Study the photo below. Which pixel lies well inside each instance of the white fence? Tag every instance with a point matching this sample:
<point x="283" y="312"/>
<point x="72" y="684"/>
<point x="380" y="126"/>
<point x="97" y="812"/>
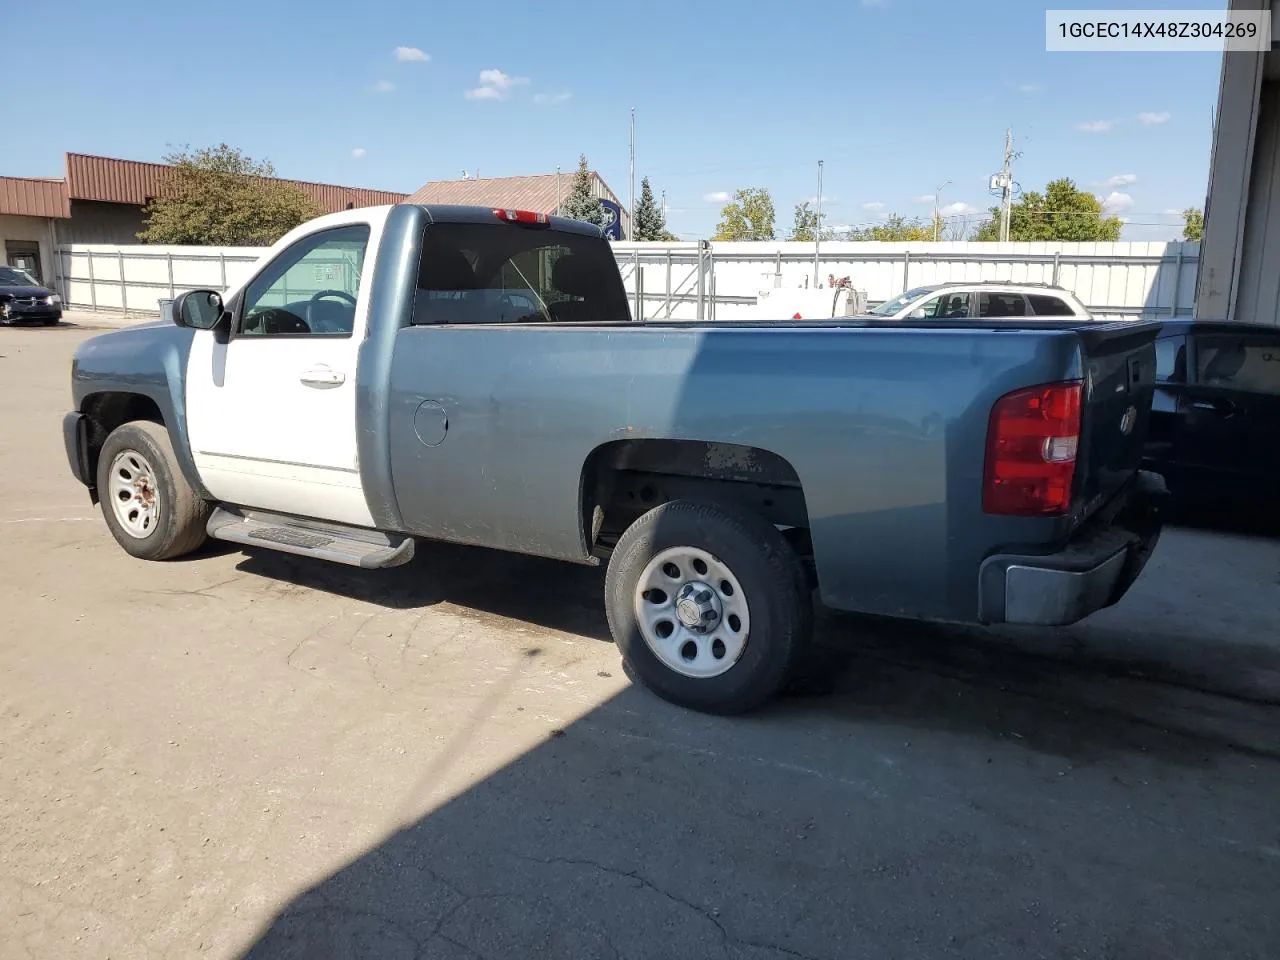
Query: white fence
<point x="720" y="281"/>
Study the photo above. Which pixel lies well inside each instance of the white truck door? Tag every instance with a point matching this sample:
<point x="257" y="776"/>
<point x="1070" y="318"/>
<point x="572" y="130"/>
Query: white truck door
<point x="271" y="414"/>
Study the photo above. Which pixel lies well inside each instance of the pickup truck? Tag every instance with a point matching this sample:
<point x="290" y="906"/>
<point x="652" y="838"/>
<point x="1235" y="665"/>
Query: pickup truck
<point x="474" y="375"/>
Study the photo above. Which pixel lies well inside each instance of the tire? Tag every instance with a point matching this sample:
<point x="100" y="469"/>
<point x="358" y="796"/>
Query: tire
<point x="753" y="578"/>
<point x="159" y="516"/>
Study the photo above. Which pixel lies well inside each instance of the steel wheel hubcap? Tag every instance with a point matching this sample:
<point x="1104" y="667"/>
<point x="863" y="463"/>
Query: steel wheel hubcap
<point x="133" y="494"/>
<point x="692" y="612"/>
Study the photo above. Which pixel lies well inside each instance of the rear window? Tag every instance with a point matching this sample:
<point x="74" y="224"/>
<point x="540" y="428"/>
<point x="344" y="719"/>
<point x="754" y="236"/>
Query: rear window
<point x="1046" y="306"/>
<point x="1239" y="363"/>
<point x="507" y="273"/>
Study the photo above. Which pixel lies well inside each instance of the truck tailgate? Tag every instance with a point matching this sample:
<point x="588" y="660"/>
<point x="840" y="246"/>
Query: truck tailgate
<point x="1119" y="363"/>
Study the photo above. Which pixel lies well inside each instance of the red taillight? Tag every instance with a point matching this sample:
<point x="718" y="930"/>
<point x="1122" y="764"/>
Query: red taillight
<point x="1032" y="440"/>
<point x="520" y="216"/>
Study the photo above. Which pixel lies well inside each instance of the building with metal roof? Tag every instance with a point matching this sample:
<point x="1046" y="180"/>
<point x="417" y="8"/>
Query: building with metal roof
<point x="101" y="199"/>
<point x="541" y="193"/>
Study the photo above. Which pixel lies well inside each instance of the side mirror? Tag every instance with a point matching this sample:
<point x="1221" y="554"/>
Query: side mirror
<point x="916" y="314"/>
<point x="197" y="309"/>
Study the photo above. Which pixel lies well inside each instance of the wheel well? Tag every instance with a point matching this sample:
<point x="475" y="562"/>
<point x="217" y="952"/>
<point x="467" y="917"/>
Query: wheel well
<point x="106" y="411"/>
<point x="624" y="479"/>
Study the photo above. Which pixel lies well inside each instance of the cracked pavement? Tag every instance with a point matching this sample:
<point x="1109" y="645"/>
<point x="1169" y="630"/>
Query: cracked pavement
<point x="252" y="755"/>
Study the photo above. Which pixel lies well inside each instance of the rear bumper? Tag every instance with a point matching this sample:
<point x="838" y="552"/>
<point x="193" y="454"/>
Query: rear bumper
<point x="1094" y="571"/>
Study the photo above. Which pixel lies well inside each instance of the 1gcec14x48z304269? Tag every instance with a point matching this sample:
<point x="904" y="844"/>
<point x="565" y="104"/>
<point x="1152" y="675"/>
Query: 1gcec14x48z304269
<point x="474" y="375"/>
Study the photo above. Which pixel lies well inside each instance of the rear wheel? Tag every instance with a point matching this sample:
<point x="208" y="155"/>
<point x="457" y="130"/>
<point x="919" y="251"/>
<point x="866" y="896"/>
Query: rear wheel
<point x="149" y="507"/>
<point x="708" y="606"/>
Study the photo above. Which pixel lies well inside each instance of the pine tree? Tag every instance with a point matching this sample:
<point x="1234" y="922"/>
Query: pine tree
<point x="649" y="222"/>
<point x="580" y="204"/>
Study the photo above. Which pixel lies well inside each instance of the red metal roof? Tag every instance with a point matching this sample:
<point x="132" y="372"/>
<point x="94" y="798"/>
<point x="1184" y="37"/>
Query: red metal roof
<point x="538" y="192"/>
<point x="31" y="197"/>
<point x="135" y="182"/>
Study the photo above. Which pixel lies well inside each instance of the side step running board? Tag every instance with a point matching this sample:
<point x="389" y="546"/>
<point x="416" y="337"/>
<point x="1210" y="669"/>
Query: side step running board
<point x="354" y="546"/>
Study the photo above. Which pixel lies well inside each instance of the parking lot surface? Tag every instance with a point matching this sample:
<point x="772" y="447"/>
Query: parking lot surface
<point x="256" y="755"/>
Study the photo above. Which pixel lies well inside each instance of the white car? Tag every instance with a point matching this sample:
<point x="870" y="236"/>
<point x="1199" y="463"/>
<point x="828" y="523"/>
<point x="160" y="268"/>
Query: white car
<point x="982" y="301"/>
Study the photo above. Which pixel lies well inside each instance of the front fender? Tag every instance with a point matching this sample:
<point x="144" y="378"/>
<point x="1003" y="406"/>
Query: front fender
<point x="149" y="361"/>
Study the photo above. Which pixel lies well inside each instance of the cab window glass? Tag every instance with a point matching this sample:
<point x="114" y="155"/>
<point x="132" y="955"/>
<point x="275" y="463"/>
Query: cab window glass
<point x="1171" y="359"/>
<point x="1239" y="363"/>
<point x="310" y="288"/>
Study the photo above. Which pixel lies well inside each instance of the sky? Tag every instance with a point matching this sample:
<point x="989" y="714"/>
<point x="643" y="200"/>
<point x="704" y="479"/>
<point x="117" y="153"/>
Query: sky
<point x="896" y="97"/>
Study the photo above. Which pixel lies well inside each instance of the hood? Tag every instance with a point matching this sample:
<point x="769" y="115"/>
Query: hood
<point x="8" y="291"/>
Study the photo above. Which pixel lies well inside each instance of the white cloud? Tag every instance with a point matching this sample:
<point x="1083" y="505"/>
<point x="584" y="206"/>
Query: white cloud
<point x="841" y="227"/>
<point x="1115" y="202"/>
<point x="826" y="201"/>
<point x="957" y="209"/>
<point x="545" y="98"/>
<point x="717" y="196"/>
<point x="1095" y="126"/>
<point x="1152" y="118"/>
<point x="495" y="85"/>
<point x="1119" y="180"/>
<point x="1171" y="212"/>
<point x="383" y="86"/>
<point x="358" y="152"/>
<point x="924" y="198"/>
<point x="411" y="54"/>
<point x="873" y="206"/>
<point x="1029" y="88"/>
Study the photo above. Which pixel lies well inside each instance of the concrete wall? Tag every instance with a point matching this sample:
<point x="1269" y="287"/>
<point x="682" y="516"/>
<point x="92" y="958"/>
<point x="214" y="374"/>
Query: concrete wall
<point x="35" y="229"/>
<point x="1238" y="244"/>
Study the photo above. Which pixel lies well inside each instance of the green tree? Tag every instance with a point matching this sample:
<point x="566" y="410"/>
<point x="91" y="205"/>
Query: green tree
<point x="648" y="222"/>
<point x="1062" y="212"/>
<point x="895" y="228"/>
<point x="748" y="216"/>
<point x="220" y="197"/>
<point x="580" y="204"/>
<point x="806" y="222"/>
<point x="1192" y="224"/>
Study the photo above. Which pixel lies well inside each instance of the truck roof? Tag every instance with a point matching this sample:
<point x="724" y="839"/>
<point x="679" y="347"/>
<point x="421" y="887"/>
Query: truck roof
<point x="459" y="213"/>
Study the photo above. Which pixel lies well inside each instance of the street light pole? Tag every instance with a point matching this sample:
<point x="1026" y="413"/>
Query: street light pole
<point x="817" y="230"/>
<point x="936" y="195"/>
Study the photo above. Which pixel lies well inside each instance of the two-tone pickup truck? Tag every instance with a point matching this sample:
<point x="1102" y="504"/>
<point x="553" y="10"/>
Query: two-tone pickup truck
<point x="474" y="375"/>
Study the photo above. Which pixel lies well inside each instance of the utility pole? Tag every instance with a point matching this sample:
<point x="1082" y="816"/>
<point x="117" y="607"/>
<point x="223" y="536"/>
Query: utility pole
<point x="817" y="230"/>
<point x="557" y="189"/>
<point x="936" y="194"/>
<point x="1006" y="182"/>
<point x="632" y="202"/>
<point x="664" y="207"/>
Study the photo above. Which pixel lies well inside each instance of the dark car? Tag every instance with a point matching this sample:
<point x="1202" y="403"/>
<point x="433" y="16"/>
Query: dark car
<point x="1215" y="416"/>
<point x="22" y="300"/>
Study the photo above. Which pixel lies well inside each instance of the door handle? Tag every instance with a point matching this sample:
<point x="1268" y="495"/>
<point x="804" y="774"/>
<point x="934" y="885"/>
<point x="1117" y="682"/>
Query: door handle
<point x="1222" y="407"/>
<point x="322" y="377"/>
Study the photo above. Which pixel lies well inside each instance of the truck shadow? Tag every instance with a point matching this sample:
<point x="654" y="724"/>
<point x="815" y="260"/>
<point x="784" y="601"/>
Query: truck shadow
<point x="911" y="804"/>
<point x="1082" y="693"/>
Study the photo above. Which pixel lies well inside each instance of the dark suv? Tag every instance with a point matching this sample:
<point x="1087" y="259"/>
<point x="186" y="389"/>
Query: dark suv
<point x="22" y="300"/>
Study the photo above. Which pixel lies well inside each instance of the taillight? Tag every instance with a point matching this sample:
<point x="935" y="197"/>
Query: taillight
<point x="520" y="216"/>
<point x="1032" y="439"/>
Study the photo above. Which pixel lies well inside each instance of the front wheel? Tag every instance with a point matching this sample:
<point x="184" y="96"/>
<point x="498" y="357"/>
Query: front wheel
<point x="149" y="507"/>
<point x="708" y="606"/>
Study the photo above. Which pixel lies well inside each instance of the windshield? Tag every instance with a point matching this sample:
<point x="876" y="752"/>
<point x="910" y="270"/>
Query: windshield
<point x="13" y="277"/>
<point x="890" y="307"/>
